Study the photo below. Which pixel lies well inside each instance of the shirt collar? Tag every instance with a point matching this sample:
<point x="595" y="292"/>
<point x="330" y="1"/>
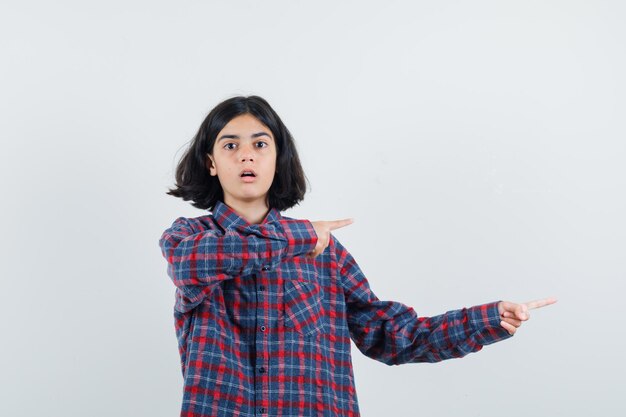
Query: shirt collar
<point x="227" y="218"/>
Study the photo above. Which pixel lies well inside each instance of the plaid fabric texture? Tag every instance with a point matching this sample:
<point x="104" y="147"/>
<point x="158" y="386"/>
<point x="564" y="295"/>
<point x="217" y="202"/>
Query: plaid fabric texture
<point x="265" y="331"/>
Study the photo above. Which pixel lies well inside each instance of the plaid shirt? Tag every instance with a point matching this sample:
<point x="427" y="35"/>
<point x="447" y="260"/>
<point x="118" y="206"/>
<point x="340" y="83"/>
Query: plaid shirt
<point x="265" y="331"/>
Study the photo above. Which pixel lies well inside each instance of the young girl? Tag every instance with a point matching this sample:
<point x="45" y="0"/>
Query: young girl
<point x="266" y="305"/>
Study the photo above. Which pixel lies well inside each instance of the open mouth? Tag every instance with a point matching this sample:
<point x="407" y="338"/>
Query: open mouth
<point x="247" y="173"/>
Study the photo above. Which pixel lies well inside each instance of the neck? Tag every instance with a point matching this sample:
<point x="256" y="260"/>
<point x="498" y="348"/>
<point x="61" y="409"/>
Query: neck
<point x="252" y="212"/>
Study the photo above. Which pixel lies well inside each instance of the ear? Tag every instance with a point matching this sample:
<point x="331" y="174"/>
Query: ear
<point x="210" y="165"/>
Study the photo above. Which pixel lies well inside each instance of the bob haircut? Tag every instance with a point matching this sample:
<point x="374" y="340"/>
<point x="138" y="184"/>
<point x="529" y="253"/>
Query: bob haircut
<point x="193" y="181"/>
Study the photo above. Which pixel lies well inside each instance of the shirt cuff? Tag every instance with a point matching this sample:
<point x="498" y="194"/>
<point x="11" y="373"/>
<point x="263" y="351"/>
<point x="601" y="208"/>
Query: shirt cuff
<point x="486" y="320"/>
<point x="301" y="237"/>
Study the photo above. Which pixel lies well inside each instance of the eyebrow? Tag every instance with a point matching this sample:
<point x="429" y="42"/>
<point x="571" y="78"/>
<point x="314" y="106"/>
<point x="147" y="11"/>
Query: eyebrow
<point x="254" y="135"/>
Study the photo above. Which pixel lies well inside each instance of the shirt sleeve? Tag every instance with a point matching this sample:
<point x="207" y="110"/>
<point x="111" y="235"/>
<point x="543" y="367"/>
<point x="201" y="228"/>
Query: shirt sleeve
<point x="197" y="261"/>
<point x="393" y="333"/>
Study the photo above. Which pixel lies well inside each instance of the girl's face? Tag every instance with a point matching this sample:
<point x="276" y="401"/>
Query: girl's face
<point x="244" y="145"/>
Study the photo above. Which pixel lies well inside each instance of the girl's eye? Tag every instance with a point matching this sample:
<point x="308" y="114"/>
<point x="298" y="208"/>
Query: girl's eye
<point x="229" y="145"/>
<point x="261" y="144"/>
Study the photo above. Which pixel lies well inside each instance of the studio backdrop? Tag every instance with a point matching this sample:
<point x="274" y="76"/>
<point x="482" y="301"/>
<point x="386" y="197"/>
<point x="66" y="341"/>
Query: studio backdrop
<point x="479" y="147"/>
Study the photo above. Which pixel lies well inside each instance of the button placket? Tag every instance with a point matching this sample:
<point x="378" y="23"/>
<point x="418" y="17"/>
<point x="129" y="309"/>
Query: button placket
<point x="261" y="359"/>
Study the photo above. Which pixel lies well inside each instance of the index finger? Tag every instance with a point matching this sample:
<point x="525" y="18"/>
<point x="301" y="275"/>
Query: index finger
<point x="540" y="303"/>
<point x="336" y="224"/>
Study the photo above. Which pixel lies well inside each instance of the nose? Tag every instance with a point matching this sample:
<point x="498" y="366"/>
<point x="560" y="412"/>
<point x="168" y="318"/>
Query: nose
<point x="246" y="154"/>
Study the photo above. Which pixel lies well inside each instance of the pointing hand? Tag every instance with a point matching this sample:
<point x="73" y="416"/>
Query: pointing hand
<point x="513" y="314"/>
<point x="323" y="229"/>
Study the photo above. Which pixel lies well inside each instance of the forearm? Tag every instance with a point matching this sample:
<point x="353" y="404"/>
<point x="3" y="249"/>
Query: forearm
<point x="399" y="336"/>
<point x="208" y="257"/>
<point x="451" y="335"/>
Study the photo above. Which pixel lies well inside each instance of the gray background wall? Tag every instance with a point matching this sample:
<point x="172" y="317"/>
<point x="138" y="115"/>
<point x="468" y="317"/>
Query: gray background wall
<point x="478" y="145"/>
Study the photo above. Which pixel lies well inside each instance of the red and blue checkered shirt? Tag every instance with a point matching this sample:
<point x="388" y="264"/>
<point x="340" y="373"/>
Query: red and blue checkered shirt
<point x="264" y="330"/>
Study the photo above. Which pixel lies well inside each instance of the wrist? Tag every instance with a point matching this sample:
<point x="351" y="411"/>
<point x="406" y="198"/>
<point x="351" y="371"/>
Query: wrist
<point x="301" y="236"/>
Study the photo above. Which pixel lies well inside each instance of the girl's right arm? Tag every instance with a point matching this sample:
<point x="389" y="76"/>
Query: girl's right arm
<point x="199" y="261"/>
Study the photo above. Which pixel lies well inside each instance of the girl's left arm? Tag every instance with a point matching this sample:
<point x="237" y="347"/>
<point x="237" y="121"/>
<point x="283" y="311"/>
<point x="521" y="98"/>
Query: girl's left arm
<point x="393" y="333"/>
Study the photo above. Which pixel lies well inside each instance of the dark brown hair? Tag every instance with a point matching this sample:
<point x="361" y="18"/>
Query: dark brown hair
<point x="193" y="181"/>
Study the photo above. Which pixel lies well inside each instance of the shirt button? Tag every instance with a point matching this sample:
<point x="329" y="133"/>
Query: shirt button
<point x="262" y="328"/>
<point x="262" y="410"/>
<point x="261" y="369"/>
<point x="266" y="267"/>
<point x="262" y="288"/>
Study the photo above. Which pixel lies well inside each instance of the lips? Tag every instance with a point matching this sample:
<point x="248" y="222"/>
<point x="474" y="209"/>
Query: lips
<point x="247" y="173"/>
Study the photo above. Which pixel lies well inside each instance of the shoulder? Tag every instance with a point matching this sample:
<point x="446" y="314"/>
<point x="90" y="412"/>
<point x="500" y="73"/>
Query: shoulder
<point x="338" y="251"/>
<point x="195" y="224"/>
<point x="336" y="245"/>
